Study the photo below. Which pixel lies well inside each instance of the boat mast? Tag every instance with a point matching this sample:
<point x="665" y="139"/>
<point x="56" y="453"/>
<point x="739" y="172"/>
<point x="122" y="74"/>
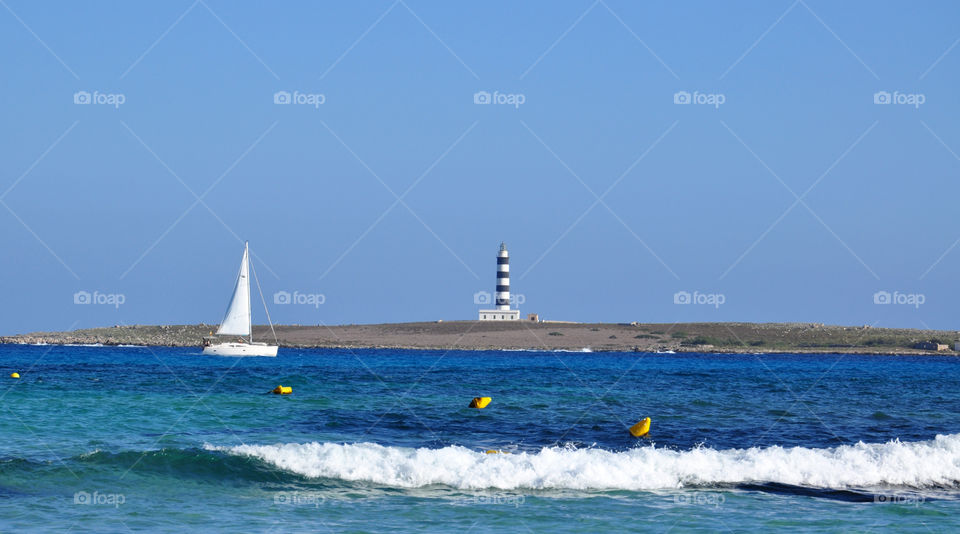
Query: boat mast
<point x="246" y="258"/>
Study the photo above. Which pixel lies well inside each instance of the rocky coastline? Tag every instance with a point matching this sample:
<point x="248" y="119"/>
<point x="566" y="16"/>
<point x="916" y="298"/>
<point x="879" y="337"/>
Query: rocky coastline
<point x="523" y="335"/>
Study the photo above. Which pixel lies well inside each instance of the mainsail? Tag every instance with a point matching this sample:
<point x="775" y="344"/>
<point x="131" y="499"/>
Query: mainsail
<point x="237" y="320"/>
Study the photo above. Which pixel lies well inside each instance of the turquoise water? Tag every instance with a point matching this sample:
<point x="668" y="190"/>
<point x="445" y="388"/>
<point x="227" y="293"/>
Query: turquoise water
<point x="114" y="439"/>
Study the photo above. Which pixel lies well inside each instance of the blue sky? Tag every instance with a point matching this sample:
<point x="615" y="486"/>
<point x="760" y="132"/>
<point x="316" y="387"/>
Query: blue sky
<point x="815" y="165"/>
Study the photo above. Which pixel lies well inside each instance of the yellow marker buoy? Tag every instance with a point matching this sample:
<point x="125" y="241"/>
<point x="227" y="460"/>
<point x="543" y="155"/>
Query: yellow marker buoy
<point x="480" y="402"/>
<point x="14" y="375"/>
<point x="283" y="390"/>
<point x="640" y="429"/>
<point x="495" y="451"/>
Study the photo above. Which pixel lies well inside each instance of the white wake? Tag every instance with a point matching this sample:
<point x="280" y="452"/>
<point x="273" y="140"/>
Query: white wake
<point x="934" y="463"/>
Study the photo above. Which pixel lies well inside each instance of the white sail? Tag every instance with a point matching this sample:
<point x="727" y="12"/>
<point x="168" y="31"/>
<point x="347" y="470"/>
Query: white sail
<point x="237" y="320"/>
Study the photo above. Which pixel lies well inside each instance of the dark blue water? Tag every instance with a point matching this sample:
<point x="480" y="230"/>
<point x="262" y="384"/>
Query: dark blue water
<point x="110" y="439"/>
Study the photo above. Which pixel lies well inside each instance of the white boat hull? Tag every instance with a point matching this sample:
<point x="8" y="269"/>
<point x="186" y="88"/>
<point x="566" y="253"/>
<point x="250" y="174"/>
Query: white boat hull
<point x="240" y="349"/>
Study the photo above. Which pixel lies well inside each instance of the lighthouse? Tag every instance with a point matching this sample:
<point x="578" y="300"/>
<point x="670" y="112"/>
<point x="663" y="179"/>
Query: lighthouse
<point x="502" y="293"/>
<point x="503" y="278"/>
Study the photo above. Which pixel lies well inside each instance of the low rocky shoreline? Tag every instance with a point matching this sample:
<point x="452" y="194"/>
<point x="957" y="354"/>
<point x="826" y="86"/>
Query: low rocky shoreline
<point x="488" y="335"/>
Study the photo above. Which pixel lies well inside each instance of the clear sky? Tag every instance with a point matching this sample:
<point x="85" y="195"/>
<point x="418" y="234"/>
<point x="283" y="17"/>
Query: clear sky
<point x="777" y="160"/>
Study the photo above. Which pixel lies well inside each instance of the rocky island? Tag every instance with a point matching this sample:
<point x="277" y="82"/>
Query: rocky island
<point x="528" y="335"/>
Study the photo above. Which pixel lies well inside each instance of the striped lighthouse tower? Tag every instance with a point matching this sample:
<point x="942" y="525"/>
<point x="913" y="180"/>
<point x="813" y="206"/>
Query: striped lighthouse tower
<point x="501" y="302"/>
<point x="503" y="278"/>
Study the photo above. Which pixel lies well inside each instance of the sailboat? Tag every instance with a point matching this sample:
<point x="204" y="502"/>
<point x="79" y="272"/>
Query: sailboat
<point x="237" y="321"/>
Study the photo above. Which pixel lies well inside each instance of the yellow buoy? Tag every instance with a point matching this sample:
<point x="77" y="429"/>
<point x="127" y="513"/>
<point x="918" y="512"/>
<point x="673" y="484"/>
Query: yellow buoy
<point x="14" y="375"/>
<point x="640" y="429"/>
<point x="283" y="390"/>
<point x="480" y="402"/>
<point x="495" y="451"/>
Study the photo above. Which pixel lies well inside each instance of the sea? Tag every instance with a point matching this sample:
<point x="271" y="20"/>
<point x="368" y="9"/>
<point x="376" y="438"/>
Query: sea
<point x="129" y="439"/>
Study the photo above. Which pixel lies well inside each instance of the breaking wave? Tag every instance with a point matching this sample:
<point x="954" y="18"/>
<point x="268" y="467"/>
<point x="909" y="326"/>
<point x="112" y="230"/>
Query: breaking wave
<point x="923" y="464"/>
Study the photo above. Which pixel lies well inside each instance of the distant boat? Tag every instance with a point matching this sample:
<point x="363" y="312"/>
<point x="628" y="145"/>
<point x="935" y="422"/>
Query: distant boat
<point x="237" y="321"/>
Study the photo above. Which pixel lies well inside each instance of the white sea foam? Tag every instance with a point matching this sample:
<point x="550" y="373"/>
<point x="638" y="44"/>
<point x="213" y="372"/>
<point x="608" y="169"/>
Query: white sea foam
<point x="934" y="463"/>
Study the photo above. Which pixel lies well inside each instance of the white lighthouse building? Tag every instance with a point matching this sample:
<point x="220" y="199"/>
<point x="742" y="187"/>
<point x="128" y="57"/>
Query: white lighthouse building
<point x="502" y="294"/>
